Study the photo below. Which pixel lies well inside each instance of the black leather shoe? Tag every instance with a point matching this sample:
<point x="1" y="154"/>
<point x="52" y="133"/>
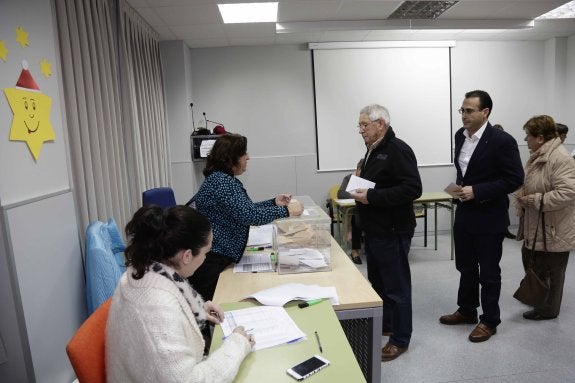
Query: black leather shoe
<point x="510" y="235"/>
<point x="457" y="318"/>
<point x="355" y="258"/>
<point x="534" y="315"/>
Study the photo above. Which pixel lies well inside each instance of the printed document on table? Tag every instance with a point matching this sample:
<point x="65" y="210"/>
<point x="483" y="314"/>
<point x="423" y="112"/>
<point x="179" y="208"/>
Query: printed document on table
<point x="254" y="263"/>
<point x="270" y="326"/>
<point x="356" y="182"/>
<point x="282" y="294"/>
<point x="260" y="235"/>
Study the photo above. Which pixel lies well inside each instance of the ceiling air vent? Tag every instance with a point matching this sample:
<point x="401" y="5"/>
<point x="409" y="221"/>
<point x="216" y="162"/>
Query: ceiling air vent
<point x="421" y="9"/>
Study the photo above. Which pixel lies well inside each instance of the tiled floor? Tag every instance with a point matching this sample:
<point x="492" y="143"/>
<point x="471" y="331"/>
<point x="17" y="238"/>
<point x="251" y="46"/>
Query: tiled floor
<point x="521" y="351"/>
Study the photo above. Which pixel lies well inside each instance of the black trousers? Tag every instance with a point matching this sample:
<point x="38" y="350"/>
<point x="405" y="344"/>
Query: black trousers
<point x="551" y="267"/>
<point x="205" y="279"/>
<point x="477" y="259"/>
<point x="356" y="235"/>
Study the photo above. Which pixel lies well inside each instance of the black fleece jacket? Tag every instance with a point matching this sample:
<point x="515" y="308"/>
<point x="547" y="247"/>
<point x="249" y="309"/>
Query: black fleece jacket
<point x="393" y="168"/>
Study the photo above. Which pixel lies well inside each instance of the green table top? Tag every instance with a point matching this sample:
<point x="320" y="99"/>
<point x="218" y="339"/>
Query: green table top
<point x="270" y="365"/>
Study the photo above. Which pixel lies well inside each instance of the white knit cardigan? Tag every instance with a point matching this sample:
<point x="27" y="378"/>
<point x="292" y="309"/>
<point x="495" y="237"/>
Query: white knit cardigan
<point x="152" y="336"/>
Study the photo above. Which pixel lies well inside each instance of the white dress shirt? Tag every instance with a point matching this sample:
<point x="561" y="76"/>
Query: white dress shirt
<point x="468" y="147"/>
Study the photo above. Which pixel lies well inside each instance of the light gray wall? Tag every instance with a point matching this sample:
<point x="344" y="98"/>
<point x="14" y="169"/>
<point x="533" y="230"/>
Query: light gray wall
<point x="266" y="94"/>
<point x="41" y="275"/>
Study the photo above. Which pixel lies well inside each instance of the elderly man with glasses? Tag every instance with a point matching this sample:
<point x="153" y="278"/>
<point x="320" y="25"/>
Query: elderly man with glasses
<point x="488" y="169"/>
<point x="385" y="215"/>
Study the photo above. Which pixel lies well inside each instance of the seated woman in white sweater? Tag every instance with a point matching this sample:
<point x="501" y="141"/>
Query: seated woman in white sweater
<point x="153" y="333"/>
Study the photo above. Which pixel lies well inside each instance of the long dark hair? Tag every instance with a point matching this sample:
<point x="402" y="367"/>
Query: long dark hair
<point x="157" y="235"/>
<point x="225" y="154"/>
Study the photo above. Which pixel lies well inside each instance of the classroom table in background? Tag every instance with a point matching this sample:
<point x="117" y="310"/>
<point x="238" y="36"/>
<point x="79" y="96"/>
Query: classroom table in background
<point x="344" y="208"/>
<point x="359" y="310"/>
<point x="270" y="364"/>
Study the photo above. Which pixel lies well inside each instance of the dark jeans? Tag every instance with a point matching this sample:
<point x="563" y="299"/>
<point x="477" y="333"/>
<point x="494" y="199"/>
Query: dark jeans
<point x="551" y="267"/>
<point x="477" y="258"/>
<point x="205" y="278"/>
<point x="389" y="274"/>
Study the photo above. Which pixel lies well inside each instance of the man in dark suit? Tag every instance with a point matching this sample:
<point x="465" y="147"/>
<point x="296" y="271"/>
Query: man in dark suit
<point x="488" y="169"/>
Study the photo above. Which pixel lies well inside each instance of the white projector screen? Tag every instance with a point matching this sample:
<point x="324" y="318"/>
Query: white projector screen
<point x="412" y="83"/>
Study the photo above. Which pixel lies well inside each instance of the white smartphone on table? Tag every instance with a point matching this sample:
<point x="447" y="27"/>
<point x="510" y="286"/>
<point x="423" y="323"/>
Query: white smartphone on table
<point x="308" y="367"/>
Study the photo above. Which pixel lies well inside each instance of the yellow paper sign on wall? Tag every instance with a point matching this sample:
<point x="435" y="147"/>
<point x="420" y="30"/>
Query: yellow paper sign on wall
<point x="31" y="110"/>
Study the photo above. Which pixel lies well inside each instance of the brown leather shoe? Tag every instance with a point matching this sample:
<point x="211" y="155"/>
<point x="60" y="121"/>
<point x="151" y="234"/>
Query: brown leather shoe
<point x="391" y="351"/>
<point x="457" y="318"/>
<point x="481" y="333"/>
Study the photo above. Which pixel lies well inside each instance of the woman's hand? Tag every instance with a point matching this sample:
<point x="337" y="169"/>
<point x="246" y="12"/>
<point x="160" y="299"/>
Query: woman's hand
<point x="295" y="208"/>
<point x="241" y="330"/>
<point x="523" y="201"/>
<point x="214" y="313"/>
<point x="283" y="199"/>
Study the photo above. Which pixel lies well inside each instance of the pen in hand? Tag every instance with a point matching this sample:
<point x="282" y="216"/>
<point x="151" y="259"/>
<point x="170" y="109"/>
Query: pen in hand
<point x="318" y="342"/>
<point x="216" y="315"/>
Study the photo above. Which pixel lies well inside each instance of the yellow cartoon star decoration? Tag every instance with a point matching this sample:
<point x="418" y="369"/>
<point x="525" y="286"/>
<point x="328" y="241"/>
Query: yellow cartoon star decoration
<point x="22" y="37"/>
<point x="3" y="51"/>
<point x="46" y="68"/>
<point x="31" y="110"/>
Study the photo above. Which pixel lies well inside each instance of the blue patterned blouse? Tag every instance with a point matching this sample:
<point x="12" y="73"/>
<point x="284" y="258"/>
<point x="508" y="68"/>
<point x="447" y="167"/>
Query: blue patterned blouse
<point x="223" y="199"/>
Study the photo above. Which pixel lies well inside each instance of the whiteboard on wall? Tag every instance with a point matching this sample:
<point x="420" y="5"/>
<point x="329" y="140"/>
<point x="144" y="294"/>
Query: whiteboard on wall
<point x="414" y="84"/>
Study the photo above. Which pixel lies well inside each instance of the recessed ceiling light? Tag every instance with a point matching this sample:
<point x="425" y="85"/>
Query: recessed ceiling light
<point x="249" y="12"/>
<point x="566" y="11"/>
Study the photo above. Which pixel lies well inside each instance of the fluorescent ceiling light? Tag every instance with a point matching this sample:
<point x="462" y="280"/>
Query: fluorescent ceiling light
<point x="566" y="11"/>
<point x="249" y="12"/>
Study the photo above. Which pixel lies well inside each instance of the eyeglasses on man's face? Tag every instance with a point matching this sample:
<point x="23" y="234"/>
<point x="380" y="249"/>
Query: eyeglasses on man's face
<point x="468" y="110"/>
<point x="364" y="125"/>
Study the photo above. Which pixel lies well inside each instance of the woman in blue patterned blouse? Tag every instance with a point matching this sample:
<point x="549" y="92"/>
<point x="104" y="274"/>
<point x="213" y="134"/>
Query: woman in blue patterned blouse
<point x="223" y="199"/>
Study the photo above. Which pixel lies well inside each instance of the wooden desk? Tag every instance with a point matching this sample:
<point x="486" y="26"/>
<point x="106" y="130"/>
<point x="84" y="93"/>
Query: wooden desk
<point x="344" y="209"/>
<point x="270" y="365"/>
<point x="437" y="199"/>
<point x="359" y="310"/>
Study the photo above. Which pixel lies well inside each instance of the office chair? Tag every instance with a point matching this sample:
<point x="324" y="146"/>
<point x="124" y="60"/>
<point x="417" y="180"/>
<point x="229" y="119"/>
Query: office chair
<point x="86" y="349"/>
<point x="104" y="262"/>
<point x="163" y="197"/>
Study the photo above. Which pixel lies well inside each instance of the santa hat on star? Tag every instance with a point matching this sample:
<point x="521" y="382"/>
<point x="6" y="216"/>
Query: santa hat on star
<point x="26" y="81"/>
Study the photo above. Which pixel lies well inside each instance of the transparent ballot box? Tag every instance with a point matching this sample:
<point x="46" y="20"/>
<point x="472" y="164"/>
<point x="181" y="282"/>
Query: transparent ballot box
<point x="304" y="243"/>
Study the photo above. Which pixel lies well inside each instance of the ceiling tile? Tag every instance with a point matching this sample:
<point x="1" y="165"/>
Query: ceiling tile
<point x="354" y="10"/>
<point x="150" y="15"/>
<point x="166" y="33"/>
<point x="305" y="10"/>
<point x="252" y="31"/>
<point x="202" y="31"/>
<point x="190" y="15"/>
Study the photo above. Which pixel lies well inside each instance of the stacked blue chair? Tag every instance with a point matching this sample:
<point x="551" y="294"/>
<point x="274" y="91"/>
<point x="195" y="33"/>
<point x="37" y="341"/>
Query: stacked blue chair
<point x="104" y="262"/>
<point x="163" y="197"/>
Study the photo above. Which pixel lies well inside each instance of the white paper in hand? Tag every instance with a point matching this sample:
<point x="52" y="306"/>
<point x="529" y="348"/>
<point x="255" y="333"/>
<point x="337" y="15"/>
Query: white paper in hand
<point x="356" y="182"/>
